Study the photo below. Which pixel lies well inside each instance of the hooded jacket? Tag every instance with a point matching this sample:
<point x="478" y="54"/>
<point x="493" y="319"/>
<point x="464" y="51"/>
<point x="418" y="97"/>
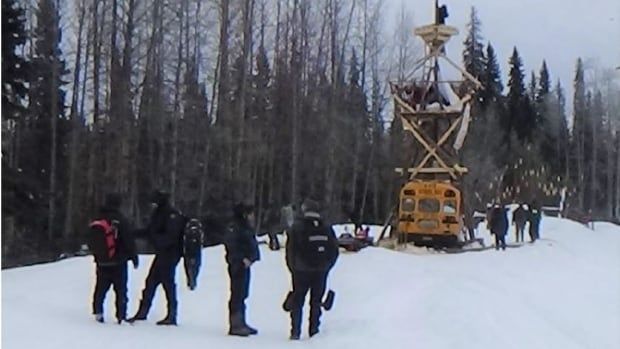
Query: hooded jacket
<point x="311" y="245"/>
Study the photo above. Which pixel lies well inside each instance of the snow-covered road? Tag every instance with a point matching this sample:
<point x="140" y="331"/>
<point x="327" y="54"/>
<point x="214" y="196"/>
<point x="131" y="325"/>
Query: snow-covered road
<point x="562" y="292"/>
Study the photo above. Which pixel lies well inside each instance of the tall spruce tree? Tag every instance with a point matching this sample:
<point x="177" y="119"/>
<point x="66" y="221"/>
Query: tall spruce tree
<point x="473" y="54"/>
<point x="14" y="65"/>
<point x="549" y="122"/>
<point x="562" y="137"/>
<point x="516" y="118"/>
<point x="579" y="119"/>
<point x="491" y="80"/>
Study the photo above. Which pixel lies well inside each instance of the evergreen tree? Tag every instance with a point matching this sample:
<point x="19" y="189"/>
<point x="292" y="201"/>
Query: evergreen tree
<point x="14" y="65"/>
<point x="579" y="112"/>
<point x="473" y="54"/>
<point x="562" y="138"/>
<point x="544" y="82"/>
<point x="517" y="117"/>
<point x="491" y="80"/>
<point x="533" y="87"/>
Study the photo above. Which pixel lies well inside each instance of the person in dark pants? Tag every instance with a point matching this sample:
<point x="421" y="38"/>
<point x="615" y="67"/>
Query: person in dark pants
<point x="311" y="252"/>
<point x="535" y="217"/>
<point x="499" y="226"/>
<point x="193" y="237"/>
<point x="241" y="253"/>
<point x="111" y="260"/>
<point x="165" y="233"/>
<point x="519" y="218"/>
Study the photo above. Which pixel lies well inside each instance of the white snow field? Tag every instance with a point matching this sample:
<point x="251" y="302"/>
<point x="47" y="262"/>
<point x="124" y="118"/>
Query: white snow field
<point x="561" y="292"/>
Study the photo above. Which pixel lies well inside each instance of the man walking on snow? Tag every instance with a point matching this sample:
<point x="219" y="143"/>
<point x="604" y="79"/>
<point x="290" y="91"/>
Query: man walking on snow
<point x="311" y="252"/>
<point x="165" y="233"/>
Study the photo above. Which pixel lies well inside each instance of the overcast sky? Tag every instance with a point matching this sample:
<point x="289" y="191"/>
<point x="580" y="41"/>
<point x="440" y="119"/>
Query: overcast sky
<point x="556" y="30"/>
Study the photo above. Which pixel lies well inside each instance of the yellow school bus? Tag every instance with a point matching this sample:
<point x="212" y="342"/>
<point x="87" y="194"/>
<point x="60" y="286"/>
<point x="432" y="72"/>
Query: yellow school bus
<point x="430" y="213"/>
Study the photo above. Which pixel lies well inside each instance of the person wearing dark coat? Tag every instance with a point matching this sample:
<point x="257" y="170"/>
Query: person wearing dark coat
<point x="311" y="252"/>
<point x="499" y="226"/>
<point x="534" y="218"/>
<point x="519" y="218"/>
<point x="113" y="271"/>
<point x="241" y="252"/>
<point x="164" y="231"/>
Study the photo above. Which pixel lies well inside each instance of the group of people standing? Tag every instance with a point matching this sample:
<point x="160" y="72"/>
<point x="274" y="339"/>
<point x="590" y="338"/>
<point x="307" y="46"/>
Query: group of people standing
<point x="311" y="252"/>
<point x="498" y="223"/>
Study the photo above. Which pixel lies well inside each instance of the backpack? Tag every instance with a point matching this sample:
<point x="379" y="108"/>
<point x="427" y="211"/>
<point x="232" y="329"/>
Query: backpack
<point x="103" y="239"/>
<point x="193" y="236"/>
<point x="315" y="244"/>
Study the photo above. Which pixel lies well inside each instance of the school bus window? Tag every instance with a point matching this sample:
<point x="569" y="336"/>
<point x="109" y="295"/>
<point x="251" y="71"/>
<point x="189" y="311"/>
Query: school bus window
<point x="449" y="206"/>
<point x="408" y="205"/>
<point x="428" y="205"/>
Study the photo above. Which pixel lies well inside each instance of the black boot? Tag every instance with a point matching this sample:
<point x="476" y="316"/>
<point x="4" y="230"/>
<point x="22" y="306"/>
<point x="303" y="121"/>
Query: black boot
<point x="141" y="314"/>
<point x="295" y="324"/>
<point x="171" y="318"/>
<point x="251" y="329"/>
<point x="315" y="316"/>
<point x="237" y="327"/>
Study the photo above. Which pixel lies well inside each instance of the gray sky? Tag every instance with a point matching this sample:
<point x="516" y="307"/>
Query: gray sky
<point x="559" y="31"/>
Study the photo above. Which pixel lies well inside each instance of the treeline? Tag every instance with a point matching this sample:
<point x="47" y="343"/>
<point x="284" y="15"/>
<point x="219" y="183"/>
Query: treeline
<point x="266" y="101"/>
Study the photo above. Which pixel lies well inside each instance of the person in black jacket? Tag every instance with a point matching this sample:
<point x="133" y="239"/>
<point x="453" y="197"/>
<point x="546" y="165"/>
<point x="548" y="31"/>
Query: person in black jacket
<point x="311" y="252"/>
<point x="499" y="226"/>
<point x="519" y="218"/>
<point x="534" y="219"/>
<point x="112" y="271"/>
<point x="165" y="233"/>
<point x="241" y="253"/>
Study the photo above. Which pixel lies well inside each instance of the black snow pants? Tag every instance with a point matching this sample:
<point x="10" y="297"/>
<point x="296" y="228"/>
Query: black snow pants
<point x="239" y="288"/>
<point x="116" y="276"/>
<point x="162" y="271"/>
<point x="500" y="241"/>
<point x="534" y="231"/>
<point x="192" y="267"/>
<point x="519" y="232"/>
<point x="315" y="281"/>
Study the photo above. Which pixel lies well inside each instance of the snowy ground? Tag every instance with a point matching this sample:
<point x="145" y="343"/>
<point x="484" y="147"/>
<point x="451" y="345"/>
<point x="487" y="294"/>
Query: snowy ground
<point x="562" y="292"/>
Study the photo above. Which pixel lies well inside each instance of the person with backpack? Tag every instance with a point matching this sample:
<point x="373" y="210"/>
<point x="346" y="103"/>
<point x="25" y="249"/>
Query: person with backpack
<point x="165" y="231"/>
<point x="241" y="252"/>
<point x="193" y="237"/>
<point x="111" y="242"/>
<point x="311" y="252"/>
<point x="519" y="218"/>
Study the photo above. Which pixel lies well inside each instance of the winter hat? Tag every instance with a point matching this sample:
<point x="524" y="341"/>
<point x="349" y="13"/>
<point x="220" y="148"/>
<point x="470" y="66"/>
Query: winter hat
<point x="113" y="200"/>
<point x="309" y="205"/>
<point x="241" y="209"/>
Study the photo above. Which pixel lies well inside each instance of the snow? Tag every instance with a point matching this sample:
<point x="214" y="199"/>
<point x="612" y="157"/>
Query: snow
<point x="561" y="292"/>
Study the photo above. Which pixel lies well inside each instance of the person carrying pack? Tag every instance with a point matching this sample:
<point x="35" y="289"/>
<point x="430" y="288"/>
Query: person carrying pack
<point x="112" y="245"/>
<point x="311" y="252"/>
<point x="165" y="232"/>
<point x="193" y="237"/>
